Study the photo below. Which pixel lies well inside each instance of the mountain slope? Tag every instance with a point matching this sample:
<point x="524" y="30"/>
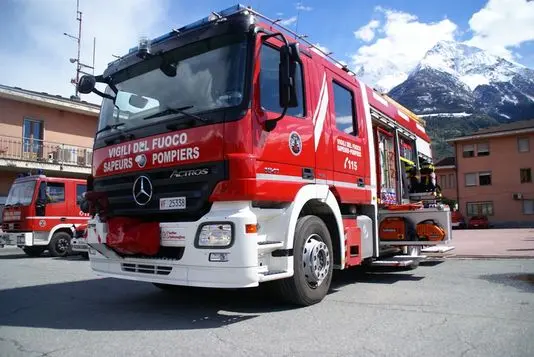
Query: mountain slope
<point x="457" y="78"/>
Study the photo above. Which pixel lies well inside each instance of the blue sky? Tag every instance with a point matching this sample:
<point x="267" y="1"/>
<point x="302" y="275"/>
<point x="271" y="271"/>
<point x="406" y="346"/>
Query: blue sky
<point x="387" y="37"/>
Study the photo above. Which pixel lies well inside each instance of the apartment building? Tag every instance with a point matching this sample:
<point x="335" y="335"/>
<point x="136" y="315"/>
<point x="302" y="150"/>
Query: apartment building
<point x="446" y="177"/>
<point x="43" y="131"/>
<point x="494" y="174"/>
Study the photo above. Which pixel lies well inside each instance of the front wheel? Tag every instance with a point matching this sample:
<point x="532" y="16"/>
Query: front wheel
<point x="312" y="263"/>
<point x="59" y="245"/>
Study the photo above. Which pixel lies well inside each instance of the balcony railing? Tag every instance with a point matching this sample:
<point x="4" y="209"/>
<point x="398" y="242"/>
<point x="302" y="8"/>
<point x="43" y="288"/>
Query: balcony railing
<point x="12" y="148"/>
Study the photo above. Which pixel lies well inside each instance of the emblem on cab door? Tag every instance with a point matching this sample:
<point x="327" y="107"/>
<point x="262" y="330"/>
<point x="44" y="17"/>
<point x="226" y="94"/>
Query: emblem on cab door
<point x="295" y="143"/>
<point x="142" y="190"/>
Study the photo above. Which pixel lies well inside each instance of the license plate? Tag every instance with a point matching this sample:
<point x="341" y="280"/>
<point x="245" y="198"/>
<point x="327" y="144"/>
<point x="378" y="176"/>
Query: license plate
<point x="172" y="203"/>
<point x="21" y="240"/>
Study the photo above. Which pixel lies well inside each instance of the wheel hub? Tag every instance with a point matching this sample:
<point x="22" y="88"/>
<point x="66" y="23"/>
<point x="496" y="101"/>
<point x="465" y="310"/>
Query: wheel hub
<point x="316" y="260"/>
<point x="62" y="245"/>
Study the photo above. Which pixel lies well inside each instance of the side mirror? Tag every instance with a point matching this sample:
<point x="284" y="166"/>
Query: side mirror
<point x="287" y="83"/>
<point x="86" y="84"/>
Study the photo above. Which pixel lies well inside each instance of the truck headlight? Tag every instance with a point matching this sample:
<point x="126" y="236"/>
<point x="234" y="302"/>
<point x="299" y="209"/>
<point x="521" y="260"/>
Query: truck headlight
<point x="215" y="235"/>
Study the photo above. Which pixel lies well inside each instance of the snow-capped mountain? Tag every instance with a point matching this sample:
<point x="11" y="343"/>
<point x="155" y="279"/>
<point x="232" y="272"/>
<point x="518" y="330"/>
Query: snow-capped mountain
<point x="457" y="78"/>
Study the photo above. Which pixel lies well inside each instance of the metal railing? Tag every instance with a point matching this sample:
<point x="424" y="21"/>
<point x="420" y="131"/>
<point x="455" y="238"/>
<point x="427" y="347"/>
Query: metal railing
<point x="25" y="149"/>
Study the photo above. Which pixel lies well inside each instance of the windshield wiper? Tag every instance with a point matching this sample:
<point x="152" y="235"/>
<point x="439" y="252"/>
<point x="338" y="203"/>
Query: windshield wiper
<point x="109" y="127"/>
<point x="180" y="110"/>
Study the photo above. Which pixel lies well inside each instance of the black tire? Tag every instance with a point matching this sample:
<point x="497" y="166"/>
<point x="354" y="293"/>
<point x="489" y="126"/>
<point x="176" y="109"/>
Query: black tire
<point x="59" y="245"/>
<point x="297" y="289"/>
<point x="34" y="251"/>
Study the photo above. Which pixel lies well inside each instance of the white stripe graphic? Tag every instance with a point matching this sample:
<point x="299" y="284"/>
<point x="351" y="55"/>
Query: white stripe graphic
<point x="57" y="217"/>
<point x="370" y="138"/>
<point x="320" y="113"/>
<point x="289" y="178"/>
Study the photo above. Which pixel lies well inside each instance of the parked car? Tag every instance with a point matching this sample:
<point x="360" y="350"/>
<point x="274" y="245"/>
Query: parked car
<point x="479" y="222"/>
<point x="458" y="220"/>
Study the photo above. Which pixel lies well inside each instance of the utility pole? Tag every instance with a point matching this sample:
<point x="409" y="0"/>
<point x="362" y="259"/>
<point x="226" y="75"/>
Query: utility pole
<point x="79" y="65"/>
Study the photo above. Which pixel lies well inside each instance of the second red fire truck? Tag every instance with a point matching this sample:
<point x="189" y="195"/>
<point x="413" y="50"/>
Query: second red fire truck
<point x="41" y="213"/>
<point x="228" y="154"/>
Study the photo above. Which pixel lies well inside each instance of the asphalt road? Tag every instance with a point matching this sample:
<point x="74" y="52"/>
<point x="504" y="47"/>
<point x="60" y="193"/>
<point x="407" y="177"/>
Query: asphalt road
<point x="56" y="307"/>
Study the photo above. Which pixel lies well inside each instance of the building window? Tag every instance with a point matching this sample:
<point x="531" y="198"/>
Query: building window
<point x="483" y="149"/>
<point x="269" y="92"/>
<point x="469" y="150"/>
<point x="443" y="181"/>
<point x="452" y="181"/>
<point x="32" y="133"/>
<point x="55" y="192"/>
<point x="523" y="145"/>
<point x="525" y="175"/>
<point x="484" y="178"/>
<point x="344" y="109"/>
<point x="480" y="208"/>
<point x="528" y="206"/>
<point x="470" y="179"/>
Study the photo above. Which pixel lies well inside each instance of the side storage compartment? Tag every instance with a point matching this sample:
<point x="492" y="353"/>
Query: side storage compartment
<point x="432" y="226"/>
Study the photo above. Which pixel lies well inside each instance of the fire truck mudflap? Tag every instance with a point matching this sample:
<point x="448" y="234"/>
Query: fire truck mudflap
<point x="215" y="251"/>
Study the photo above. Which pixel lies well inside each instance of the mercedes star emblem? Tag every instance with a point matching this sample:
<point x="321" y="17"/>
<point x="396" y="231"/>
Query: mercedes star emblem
<point x="142" y="190"/>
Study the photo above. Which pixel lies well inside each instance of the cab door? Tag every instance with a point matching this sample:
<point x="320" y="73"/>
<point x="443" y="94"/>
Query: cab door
<point x="285" y="156"/>
<point x="348" y="133"/>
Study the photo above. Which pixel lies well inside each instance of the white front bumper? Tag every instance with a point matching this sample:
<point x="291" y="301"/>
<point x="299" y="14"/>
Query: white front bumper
<point x="194" y="268"/>
<point x="16" y="239"/>
<point x="79" y="245"/>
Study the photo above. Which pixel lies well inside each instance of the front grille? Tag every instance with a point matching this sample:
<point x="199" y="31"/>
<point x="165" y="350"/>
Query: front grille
<point x="196" y="189"/>
<point x="146" y="268"/>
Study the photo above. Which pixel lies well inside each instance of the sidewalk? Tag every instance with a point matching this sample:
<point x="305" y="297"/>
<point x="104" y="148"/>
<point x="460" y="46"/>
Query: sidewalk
<point x="493" y="243"/>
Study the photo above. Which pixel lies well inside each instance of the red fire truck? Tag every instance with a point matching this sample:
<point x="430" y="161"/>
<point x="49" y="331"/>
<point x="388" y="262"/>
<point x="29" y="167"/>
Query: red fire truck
<point x="228" y="154"/>
<point x="41" y="213"/>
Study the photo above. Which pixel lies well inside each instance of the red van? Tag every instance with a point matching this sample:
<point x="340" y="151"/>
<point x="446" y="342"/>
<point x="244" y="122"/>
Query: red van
<point x="41" y="213"/>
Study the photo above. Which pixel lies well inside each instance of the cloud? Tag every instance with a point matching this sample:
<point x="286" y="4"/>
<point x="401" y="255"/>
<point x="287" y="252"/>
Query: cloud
<point x="403" y="41"/>
<point x="301" y="7"/>
<point x="367" y="33"/>
<point x="41" y="63"/>
<point x="289" y="21"/>
<point x="502" y="25"/>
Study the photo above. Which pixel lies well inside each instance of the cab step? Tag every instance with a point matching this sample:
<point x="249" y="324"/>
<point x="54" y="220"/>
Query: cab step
<point x="267" y="246"/>
<point x="273" y="275"/>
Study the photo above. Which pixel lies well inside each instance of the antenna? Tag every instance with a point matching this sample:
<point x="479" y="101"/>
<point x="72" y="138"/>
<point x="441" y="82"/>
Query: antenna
<point x="79" y="65"/>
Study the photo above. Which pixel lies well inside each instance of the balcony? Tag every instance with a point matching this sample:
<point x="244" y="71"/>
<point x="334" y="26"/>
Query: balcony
<point x="39" y="154"/>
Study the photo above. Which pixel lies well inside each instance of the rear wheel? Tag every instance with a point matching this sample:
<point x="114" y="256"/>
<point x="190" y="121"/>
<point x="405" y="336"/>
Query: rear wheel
<point x="34" y="251"/>
<point x="312" y="263"/>
<point x="59" y="245"/>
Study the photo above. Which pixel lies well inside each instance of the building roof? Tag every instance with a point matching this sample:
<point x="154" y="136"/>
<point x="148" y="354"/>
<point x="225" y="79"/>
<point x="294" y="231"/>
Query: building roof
<point x="447" y="161"/>
<point x="49" y="100"/>
<point x="515" y="128"/>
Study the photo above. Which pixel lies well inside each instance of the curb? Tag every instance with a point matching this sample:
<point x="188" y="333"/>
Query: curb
<point x="473" y="256"/>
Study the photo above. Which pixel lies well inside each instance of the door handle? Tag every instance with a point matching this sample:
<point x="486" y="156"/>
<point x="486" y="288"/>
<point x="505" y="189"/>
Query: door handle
<point x="307" y="173"/>
<point x="361" y="183"/>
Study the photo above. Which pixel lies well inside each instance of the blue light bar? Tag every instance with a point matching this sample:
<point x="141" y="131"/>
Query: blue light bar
<point x="226" y="12"/>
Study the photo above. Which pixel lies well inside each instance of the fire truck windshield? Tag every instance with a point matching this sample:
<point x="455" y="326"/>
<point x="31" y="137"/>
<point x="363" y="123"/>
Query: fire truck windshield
<point x="199" y="77"/>
<point x="21" y="193"/>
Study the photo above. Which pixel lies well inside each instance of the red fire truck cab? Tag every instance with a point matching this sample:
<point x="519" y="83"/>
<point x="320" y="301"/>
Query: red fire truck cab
<point x="41" y="214"/>
<point x="228" y="155"/>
